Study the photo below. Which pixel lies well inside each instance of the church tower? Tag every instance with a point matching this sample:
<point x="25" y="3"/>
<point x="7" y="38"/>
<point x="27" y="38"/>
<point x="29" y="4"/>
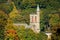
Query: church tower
<point x="35" y="21"/>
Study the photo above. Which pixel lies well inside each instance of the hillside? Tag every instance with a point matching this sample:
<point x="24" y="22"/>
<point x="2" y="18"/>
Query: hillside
<point x="18" y="11"/>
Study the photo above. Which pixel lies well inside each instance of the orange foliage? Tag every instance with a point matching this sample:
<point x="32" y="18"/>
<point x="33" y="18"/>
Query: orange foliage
<point x="11" y="33"/>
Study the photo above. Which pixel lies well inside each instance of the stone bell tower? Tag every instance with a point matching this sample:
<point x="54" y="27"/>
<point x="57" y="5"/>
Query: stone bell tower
<point x="35" y="21"/>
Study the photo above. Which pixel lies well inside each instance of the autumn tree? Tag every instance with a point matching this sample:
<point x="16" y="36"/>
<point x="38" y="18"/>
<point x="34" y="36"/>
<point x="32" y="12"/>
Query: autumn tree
<point x="6" y="7"/>
<point x="3" y="22"/>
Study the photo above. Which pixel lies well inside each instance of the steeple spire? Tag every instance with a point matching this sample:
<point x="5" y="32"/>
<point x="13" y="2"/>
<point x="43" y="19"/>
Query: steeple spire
<point x="37" y="8"/>
<point x="38" y="11"/>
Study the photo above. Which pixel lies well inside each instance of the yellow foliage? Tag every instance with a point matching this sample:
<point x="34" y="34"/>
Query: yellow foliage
<point x="14" y="12"/>
<point x="54" y="19"/>
<point x="9" y="25"/>
<point x="3" y="18"/>
<point x="11" y="33"/>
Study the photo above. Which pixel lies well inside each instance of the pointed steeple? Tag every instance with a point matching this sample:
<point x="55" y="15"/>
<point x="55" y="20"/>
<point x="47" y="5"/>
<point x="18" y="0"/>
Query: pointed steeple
<point x="37" y="8"/>
<point x="38" y="11"/>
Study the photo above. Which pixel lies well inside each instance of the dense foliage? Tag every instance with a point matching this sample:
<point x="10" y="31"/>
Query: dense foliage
<point x="6" y="7"/>
<point x="3" y="22"/>
<point x="3" y="1"/>
<point x="22" y="33"/>
<point x="49" y="15"/>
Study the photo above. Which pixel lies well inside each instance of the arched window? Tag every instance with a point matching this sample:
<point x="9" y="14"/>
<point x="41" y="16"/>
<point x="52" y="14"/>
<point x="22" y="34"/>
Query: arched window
<point x="32" y="19"/>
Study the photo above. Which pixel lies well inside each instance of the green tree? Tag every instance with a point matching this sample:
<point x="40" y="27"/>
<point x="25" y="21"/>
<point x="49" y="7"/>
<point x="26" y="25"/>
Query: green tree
<point x="6" y="7"/>
<point x="3" y="22"/>
<point x="23" y="4"/>
<point x="28" y="34"/>
<point x="3" y="1"/>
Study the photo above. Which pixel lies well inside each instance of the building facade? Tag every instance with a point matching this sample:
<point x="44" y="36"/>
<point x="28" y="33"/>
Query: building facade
<point x="35" y="21"/>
